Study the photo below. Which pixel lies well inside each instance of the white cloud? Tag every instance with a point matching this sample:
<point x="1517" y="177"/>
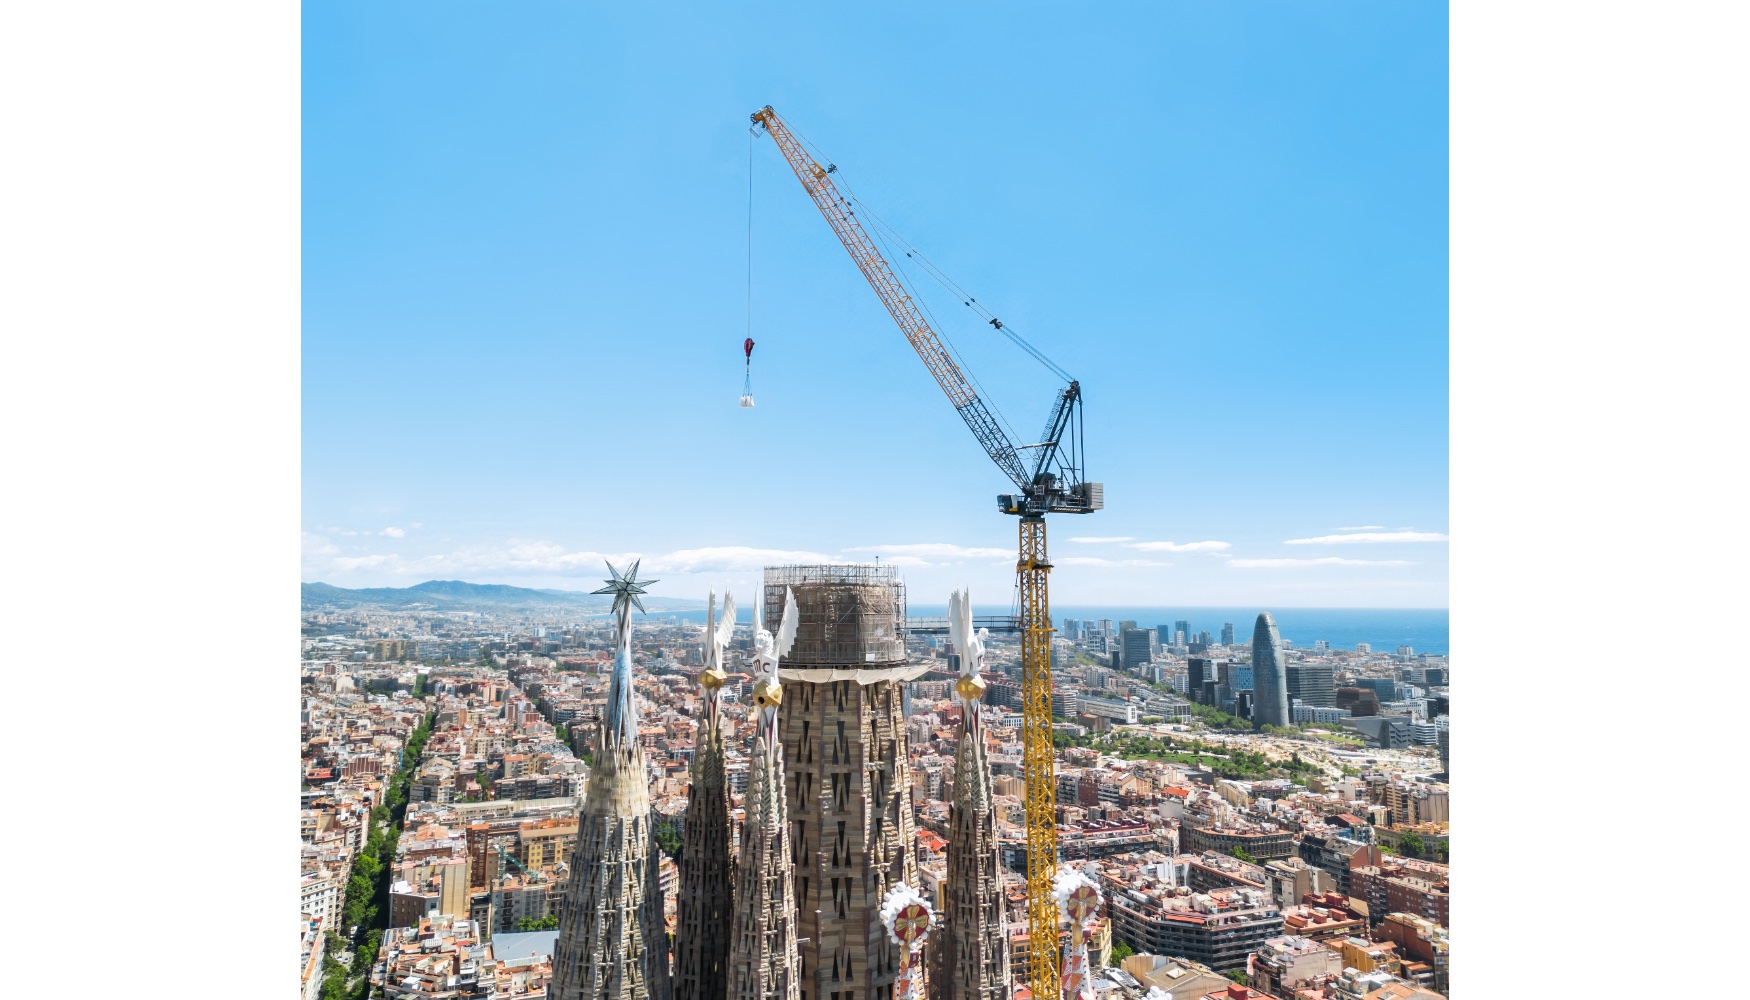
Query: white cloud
<point x="1181" y="546"/>
<point x="316" y="545"/>
<point x="1325" y="561"/>
<point x="1099" y="561"/>
<point x="937" y="550"/>
<point x="1365" y="527"/>
<point x="348" y="564"/>
<point x="729" y="558"/>
<point x="1370" y="536"/>
<point x="1102" y="539"/>
<point x="394" y="532"/>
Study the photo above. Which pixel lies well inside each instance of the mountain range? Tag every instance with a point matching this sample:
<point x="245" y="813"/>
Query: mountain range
<point x="456" y="595"/>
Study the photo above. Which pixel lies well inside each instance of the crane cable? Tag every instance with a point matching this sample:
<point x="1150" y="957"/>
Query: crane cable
<point x="965" y="297"/>
<point x="904" y="278"/>
<point x="930" y="268"/>
<point x="750" y="138"/>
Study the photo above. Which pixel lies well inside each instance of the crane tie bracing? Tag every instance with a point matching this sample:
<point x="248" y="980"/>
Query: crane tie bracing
<point x="1055" y="483"/>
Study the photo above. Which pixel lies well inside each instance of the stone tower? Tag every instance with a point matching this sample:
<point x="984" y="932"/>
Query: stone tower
<point x="842" y="727"/>
<point x="612" y="943"/>
<point x="702" y="938"/>
<point x="763" y="959"/>
<point x="971" y="952"/>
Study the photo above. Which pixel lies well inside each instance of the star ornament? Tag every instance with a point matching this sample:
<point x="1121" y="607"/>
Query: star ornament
<point x="625" y="587"/>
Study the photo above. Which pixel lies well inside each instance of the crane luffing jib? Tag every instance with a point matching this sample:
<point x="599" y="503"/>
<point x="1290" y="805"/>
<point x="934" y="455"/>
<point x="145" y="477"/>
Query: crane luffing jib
<point x="845" y="224"/>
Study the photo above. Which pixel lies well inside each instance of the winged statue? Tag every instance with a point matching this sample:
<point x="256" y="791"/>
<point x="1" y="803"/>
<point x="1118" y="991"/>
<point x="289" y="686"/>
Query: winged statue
<point x="768" y="650"/>
<point x="969" y="644"/>
<point x="718" y="632"/>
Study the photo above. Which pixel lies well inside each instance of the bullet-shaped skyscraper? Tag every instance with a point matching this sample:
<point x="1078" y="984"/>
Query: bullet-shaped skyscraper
<point x="1269" y="679"/>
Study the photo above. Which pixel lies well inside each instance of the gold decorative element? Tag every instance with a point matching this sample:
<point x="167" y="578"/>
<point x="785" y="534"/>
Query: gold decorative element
<point x="713" y="679"/>
<point x="768" y="693"/>
<point x="971" y="687"/>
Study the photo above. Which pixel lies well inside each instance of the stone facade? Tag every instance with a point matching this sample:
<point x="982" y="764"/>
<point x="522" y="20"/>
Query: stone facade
<point x="763" y="959"/>
<point x="702" y="937"/>
<point x="850" y="810"/>
<point x="971" y="951"/>
<point x="612" y="943"/>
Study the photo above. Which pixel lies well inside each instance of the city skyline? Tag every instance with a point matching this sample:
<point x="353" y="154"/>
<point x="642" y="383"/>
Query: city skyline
<point x="488" y="271"/>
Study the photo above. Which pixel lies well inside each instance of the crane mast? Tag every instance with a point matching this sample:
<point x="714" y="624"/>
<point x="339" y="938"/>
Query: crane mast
<point x="1053" y="484"/>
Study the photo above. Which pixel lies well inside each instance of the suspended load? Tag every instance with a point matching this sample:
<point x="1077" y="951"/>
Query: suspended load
<point x="747" y="383"/>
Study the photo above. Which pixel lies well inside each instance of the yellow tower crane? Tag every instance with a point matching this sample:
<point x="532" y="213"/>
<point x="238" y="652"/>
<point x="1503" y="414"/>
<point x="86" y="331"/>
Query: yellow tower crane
<point x="1050" y="480"/>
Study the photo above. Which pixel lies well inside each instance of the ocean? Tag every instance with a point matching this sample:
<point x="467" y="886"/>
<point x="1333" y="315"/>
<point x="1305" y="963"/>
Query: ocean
<point x="1385" y="629"/>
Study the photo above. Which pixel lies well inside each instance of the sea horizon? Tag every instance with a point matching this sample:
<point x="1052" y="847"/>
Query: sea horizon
<point x="1425" y="630"/>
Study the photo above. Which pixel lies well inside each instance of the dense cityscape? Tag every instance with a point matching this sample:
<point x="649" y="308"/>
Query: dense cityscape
<point x="1257" y="819"/>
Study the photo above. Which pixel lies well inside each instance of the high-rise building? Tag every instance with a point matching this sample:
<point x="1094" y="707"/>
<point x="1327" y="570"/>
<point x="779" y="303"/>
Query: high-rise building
<point x="842" y="728"/>
<point x="1270" y="682"/>
<point x="1134" y="648"/>
<point x="1197" y="670"/>
<point x="1313" y="683"/>
<point x="1227" y="633"/>
<point x="1384" y="687"/>
<point x="1358" y="700"/>
<point x="1181" y="632"/>
<point x="1243" y="706"/>
<point x="612" y="943"/>
<point x="1363" y="648"/>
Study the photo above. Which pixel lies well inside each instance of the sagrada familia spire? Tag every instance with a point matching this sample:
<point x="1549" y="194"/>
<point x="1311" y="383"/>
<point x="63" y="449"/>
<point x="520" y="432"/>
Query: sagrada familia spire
<point x="972" y="951"/>
<point x="612" y="944"/>
<point x="702" y="938"/>
<point x="763" y="959"/>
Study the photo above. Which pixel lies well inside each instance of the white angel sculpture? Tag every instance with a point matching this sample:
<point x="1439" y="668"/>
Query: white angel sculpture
<point x="969" y="644"/>
<point x="718" y="632"/>
<point x="767" y="651"/>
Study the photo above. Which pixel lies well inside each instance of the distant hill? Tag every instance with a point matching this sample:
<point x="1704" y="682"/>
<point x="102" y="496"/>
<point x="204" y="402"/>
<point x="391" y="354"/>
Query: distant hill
<point x="456" y="595"/>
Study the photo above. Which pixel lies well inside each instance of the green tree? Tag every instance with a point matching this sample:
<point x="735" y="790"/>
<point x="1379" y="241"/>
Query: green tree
<point x="550" y="922"/>
<point x="1237" y="975"/>
<point x="1412" y="845"/>
<point x="1122" y="950"/>
<point x="1244" y="855"/>
<point x="668" y="837"/>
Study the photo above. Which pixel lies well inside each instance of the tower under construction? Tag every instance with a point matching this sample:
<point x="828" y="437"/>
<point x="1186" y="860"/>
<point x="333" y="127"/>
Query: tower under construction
<point x="842" y="726"/>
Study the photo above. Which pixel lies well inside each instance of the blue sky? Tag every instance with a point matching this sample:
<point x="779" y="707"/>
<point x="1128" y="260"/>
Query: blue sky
<point x="525" y="273"/>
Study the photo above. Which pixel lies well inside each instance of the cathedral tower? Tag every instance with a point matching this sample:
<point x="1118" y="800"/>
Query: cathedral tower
<point x="702" y="937"/>
<point x="612" y="944"/>
<point x="971" y="952"/>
